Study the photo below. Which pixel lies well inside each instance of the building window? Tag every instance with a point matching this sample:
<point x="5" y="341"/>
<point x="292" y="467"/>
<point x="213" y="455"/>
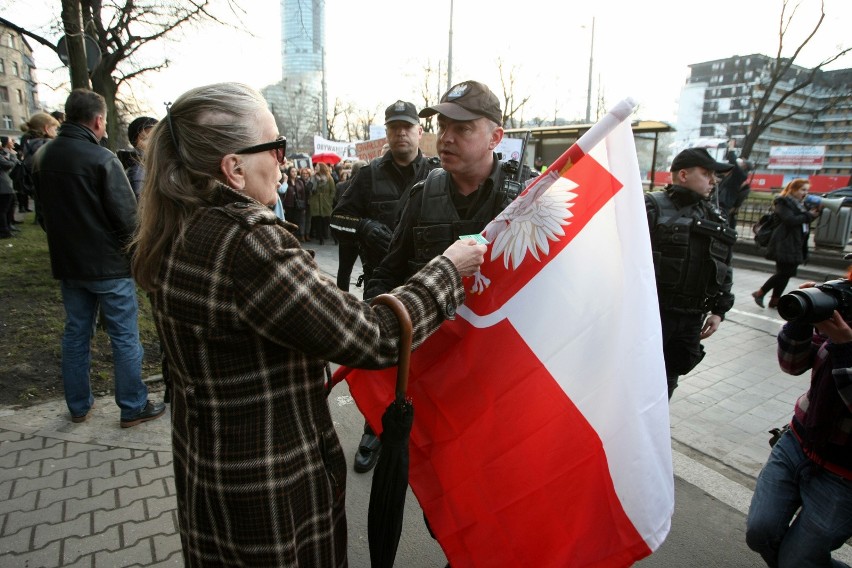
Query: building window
<point x="4" y="94"/>
<point x="7" y="122"/>
<point x="10" y="41"/>
<point x="20" y="96"/>
<point x="3" y="66"/>
<point x="15" y="70"/>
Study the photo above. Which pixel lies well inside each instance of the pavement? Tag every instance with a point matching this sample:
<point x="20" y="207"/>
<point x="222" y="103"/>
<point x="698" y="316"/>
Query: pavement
<point x="94" y="494"/>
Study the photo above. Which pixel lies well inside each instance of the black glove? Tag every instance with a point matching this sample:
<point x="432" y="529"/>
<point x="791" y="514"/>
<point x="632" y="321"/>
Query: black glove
<point x="375" y="238"/>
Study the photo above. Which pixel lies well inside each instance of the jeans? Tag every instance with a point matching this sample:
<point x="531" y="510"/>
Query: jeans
<point x="118" y="304"/>
<point x="788" y="481"/>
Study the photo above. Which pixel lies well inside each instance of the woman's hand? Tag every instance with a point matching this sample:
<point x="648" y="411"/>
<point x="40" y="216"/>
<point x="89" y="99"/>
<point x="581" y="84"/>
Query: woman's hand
<point x="467" y="256"/>
<point x="835" y="328"/>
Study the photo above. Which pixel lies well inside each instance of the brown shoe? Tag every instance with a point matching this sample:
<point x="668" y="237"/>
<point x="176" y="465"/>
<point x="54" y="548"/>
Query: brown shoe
<point x="82" y="417"/>
<point x="773" y="301"/>
<point x="758" y="298"/>
<point x="152" y="411"/>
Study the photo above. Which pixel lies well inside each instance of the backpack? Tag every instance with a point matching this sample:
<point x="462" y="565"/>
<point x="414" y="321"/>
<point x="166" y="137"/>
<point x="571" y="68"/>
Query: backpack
<point x="764" y="227"/>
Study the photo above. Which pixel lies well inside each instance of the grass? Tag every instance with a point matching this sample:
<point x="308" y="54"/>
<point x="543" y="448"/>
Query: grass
<point x="32" y="319"/>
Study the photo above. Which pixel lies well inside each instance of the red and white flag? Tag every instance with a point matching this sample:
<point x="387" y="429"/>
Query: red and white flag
<point x="541" y="432"/>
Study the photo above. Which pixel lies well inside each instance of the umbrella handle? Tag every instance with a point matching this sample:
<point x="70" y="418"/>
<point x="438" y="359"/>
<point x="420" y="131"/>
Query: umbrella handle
<point x="404" y="358"/>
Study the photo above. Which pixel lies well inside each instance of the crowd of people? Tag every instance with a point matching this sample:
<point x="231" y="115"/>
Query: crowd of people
<point x="207" y="215"/>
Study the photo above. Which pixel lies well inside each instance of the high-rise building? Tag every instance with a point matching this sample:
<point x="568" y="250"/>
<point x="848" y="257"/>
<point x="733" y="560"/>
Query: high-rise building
<point x="297" y="101"/>
<point x="717" y="103"/>
<point x="18" y="86"/>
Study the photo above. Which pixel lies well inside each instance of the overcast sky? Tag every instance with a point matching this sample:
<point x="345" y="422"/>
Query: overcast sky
<point x="376" y="50"/>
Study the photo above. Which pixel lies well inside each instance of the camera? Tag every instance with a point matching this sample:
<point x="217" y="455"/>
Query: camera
<point x="812" y="305"/>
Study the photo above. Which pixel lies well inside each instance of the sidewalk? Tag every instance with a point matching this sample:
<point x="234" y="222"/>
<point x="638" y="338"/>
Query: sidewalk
<point x="93" y="494"/>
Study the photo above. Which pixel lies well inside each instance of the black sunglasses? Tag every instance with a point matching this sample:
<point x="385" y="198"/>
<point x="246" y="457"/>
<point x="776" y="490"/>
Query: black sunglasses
<point x="279" y="145"/>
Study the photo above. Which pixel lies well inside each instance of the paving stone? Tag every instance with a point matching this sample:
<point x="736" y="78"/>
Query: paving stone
<point x="52" y="449"/>
<point x="73" y="448"/>
<point x="78" y="461"/>
<point x="104" y="501"/>
<point x="136" y="531"/>
<point x="25" y="502"/>
<point x="147" y="475"/>
<point x="115" y="517"/>
<point x="16" y="543"/>
<point x="48" y="556"/>
<point x="53" y="481"/>
<point x="101" y="484"/>
<point x="167" y="549"/>
<point x="142" y="461"/>
<point x="27" y="443"/>
<point x="127" y="495"/>
<point x="79" y="527"/>
<point x="17" y="520"/>
<point x="102" y="471"/>
<point x="30" y="471"/>
<point x="140" y="554"/>
<point x="74" y="548"/>
<point x="157" y="505"/>
<point x="6" y="489"/>
<point x="79" y="490"/>
<point x="97" y="457"/>
<point x="9" y="436"/>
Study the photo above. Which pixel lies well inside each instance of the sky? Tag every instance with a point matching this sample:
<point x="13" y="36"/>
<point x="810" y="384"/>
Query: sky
<point x="376" y="50"/>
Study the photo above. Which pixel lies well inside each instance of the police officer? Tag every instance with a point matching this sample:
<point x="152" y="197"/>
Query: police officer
<point x="367" y="213"/>
<point x="692" y="247"/>
<point x="459" y="198"/>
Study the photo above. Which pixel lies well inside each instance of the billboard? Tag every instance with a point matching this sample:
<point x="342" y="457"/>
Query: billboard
<point x="796" y="157"/>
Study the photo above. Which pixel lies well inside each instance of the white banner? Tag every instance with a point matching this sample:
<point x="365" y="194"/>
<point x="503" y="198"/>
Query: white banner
<point x="342" y="149"/>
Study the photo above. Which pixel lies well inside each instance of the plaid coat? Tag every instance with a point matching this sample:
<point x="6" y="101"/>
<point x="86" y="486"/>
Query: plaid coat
<point x="248" y="322"/>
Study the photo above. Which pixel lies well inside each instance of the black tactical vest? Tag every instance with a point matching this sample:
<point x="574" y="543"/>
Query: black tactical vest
<point x="439" y="225"/>
<point x="691" y="253"/>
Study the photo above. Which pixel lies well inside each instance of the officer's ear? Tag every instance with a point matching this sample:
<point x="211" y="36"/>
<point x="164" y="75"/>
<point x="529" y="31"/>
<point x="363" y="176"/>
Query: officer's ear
<point x="496" y="137"/>
<point x="233" y="169"/>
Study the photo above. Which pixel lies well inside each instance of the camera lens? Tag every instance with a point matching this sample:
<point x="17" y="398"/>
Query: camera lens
<point x="809" y="305"/>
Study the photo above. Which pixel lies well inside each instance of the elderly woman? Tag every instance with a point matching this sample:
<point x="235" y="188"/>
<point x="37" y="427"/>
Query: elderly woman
<point x="248" y="324"/>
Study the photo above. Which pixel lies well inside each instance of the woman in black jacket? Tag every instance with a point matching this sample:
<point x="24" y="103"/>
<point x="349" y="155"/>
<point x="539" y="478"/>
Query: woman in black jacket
<point x="788" y="245"/>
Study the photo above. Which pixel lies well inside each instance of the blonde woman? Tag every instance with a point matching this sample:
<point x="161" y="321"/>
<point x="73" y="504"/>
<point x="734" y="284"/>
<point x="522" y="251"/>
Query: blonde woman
<point x="38" y="130"/>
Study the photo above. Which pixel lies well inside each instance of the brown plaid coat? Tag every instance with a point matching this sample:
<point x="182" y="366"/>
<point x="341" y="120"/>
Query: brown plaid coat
<point x="248" y="322"/>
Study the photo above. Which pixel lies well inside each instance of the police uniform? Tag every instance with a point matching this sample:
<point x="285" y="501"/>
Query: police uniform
<point x="375" y="194"/>
<point x="435" y="216"/>
<point x="692" y="248"/>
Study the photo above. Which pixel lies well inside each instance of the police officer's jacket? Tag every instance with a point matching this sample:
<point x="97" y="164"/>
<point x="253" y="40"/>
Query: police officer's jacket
<point x="376" y="190"/>
<point x="436" y="215"/>
<point x="692" y="247"/>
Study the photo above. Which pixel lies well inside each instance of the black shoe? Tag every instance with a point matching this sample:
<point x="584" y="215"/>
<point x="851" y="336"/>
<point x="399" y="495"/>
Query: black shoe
<point x="368" y="453"/>
<point x="151" y="411"/>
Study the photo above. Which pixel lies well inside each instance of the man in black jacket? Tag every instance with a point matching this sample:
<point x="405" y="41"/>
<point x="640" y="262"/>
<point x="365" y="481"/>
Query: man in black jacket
<point x="89" y="213"/>
<point x="692" y="247"/>
<point x="368" y="211"/>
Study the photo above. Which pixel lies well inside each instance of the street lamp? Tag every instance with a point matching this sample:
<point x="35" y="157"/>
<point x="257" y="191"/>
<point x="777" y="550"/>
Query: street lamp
<point x="589" y="91"/>
<point x="450" y="52"/>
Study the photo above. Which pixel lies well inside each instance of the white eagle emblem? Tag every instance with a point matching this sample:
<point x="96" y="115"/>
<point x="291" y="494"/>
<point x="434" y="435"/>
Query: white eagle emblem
<point x="535" y="223"/>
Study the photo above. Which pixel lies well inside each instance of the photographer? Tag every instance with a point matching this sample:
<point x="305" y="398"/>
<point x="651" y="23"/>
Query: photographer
<point x="810" y="468"/>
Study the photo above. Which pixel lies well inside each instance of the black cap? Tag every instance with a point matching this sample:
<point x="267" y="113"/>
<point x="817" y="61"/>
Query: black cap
<point x="401" y="110"/>
<point x="698" y="157"/>
<point x="138" y="125"/>
<point x="467" y="101"/>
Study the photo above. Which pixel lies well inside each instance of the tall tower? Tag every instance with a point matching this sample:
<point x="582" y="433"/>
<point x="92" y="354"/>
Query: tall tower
<point x="298" y="100"/>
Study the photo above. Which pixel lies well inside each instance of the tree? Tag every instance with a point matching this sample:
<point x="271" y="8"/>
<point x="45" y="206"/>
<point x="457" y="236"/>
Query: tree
<point x="773" y="97"/>
<point x="510" y="106"/>
<point x="430" y="91"/>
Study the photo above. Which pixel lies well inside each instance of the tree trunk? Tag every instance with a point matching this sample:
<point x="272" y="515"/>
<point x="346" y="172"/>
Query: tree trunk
<point x="77" y="65"/>
<point x="104" y="84"/>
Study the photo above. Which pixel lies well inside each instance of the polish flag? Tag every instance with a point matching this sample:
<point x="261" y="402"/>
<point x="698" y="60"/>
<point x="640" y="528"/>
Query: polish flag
<point x="541" y="427"/>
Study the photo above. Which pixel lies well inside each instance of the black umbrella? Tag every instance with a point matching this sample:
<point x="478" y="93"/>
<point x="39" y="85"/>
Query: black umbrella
<point x="390" y="478"/>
